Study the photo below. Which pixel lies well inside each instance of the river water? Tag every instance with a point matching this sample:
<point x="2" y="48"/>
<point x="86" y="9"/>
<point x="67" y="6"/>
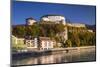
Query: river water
<point x="71" y="56"/>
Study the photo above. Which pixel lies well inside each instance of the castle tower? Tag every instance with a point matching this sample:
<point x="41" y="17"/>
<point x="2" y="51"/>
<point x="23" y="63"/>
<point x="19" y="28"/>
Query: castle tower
<point x="57" y="19"/>
<point x="54" y="18"/>
<point x="30" y="21"/>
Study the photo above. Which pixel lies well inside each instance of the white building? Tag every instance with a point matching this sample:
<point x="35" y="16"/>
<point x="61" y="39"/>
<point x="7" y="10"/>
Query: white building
<point x="76" y="25"/>
<point x="46" y="43"/>
<point x="13" y="39"/>
<point x="57" y="19"/>
<point x="90" y="30"/>
<point x="54" y="18"/>
<point x="30" y="21"/>
<point x="31" y="44"/>
<point x="16" y="40"/>
<point x="43" y="43"/>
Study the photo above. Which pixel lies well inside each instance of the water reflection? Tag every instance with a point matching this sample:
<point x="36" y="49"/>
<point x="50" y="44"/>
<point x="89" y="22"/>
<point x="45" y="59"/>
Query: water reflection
<point x="72" y="56"/>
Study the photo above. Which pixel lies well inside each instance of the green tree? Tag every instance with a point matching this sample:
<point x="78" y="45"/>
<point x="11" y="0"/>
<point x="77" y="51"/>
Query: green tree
<point x="74" y="39"/>
<point x="68" y="43"/>
<point x="18" y="31"/>
<point x="32" y="30"/>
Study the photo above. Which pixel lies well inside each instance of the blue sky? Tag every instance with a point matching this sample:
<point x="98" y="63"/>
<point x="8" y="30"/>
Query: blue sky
<point x="75" y="13"/>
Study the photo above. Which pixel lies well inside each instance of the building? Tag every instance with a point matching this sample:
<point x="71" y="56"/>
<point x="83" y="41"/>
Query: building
<point x="54" y="18"/>
<point x="90" y="30"/>
<point x="13" y="39"/>
<point x="30" y="21"/>
<point x="41" y="43"/>
<point x="46" y="43"/>
<point x="57" y="19"/>
<point x="18" y="44"/>
<point x="76" y="25"/>
<point x="16" y="40"/>
<point x="31" y="43"/>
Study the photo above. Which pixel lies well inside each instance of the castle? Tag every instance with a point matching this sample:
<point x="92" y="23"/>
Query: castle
<point x="46" y="42"/>
<point x="56" y="19"/>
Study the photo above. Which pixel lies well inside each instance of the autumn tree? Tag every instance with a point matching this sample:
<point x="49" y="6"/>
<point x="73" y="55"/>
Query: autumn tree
<point x="18" y="31"/>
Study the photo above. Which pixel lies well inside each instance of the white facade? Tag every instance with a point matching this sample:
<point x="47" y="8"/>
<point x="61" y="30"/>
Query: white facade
<point x="32" y="43"/>
<point x="36" y="42"/>
<point x="76" y="25"/>
<point x="54" y="18"/>
<point x="90" y="30"/>
<point x="30" y="21"/>
<point x="16" y="40"/>
<point x="47" y="43"/>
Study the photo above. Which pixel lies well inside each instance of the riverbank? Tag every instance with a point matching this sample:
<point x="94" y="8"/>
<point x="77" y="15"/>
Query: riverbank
<point x="74" y="50"/>
<point x="76" y="54"/>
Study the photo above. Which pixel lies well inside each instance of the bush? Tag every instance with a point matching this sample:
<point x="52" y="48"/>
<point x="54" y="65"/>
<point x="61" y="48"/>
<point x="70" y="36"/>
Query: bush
<point x="68" y="43"/>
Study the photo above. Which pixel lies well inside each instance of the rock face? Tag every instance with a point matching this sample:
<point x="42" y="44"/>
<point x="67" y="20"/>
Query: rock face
<point x="54" y="18"/>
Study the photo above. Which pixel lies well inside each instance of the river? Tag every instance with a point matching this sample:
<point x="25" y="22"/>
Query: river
<point x="72" y="56"/>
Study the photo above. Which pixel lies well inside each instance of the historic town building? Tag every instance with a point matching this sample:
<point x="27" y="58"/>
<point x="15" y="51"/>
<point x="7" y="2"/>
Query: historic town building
<point x="46" y="43"/>
<point x="76" y="25"/>
<point x="16" y="40"/>
<point x="30" y="21"/>
<point x="31" y="44"/>
<point x="54" y="18"/>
